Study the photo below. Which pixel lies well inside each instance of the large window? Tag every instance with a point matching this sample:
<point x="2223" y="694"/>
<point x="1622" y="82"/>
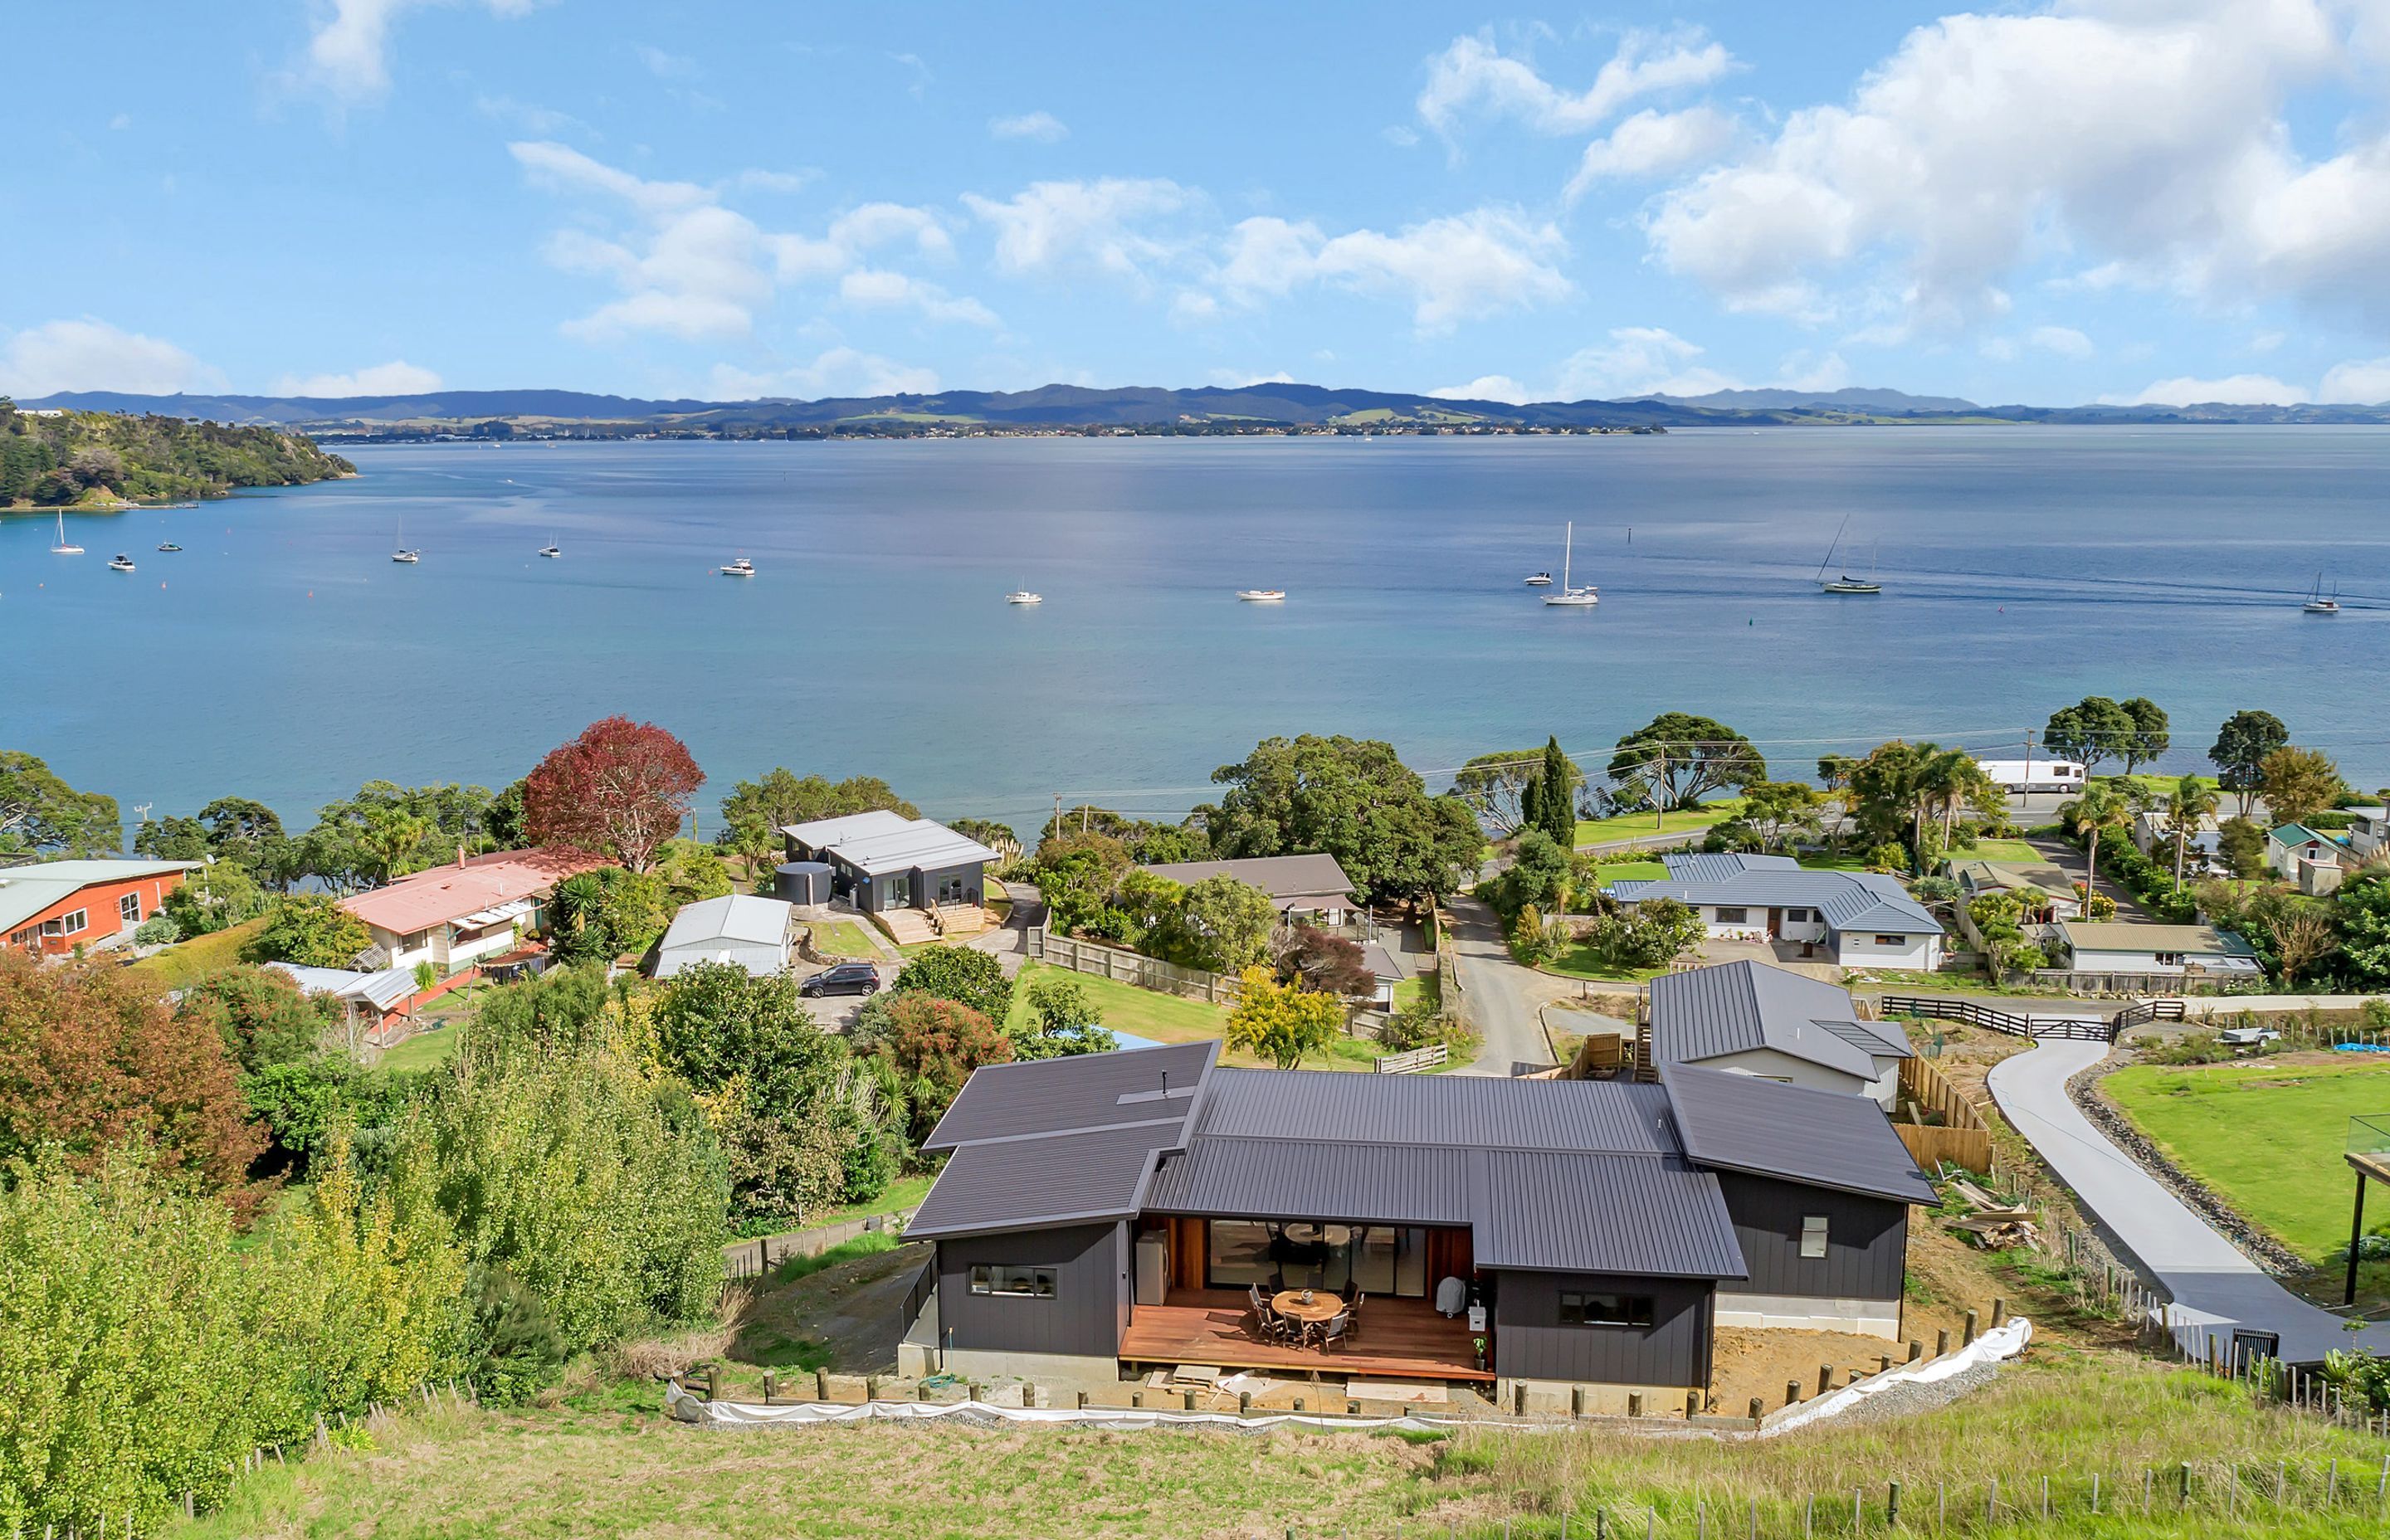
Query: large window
<point x="1813" y="1236"/>
<point x="1018" y="1283"/>
<point x="1891" y="941"/>
<point x="1731" y="915"/>
<point x="1583" y="1309"/>
<point x="1373" y="1259"/>
<point x="72" y="923"/>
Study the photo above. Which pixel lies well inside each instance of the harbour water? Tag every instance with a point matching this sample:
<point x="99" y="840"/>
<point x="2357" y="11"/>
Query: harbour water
<point x="282" y="654"/>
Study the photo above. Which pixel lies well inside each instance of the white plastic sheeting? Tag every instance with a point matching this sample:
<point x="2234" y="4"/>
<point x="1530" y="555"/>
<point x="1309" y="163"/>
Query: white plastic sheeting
<point x="2001" y="1342"/>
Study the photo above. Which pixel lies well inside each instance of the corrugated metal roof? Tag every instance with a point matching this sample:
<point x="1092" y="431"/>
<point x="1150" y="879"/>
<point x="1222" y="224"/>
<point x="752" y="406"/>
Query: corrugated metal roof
<point x="1824" y="1138"/>
<point x="1023" y="1184"/>
<point x="1469" y="1111"/>
<point x="922" y="845"/>
<point x="1706" y="1013"/>
<point x="1849" y="901"/>
<point x="1316" y="876"/>
<point x="1302" y="1178"/>
<point x="824" y="832"/>
<point x="1604" y="1213"/>
<point x="27" y="891"/>
<point x="1057" y="1096"/>
<point x="732" y="918"/>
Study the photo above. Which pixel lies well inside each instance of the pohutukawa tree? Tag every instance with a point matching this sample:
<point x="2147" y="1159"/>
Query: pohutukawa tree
<point x="621" y="789"/>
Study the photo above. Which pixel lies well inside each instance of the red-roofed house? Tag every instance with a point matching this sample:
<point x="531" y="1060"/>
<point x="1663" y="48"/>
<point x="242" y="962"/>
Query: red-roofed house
<point x="454" y="916"/>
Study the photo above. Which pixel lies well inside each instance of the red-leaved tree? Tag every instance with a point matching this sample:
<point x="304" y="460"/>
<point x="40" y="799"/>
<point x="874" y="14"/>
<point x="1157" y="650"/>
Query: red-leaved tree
<point x="621" y="789"/>
<point x="90" y="1059"/>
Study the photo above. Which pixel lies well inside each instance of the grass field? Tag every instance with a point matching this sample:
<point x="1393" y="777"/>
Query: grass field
<point x="1173" y="1018"/>
<point x="2000" y="850"/>
<point x="608" y="1467"/>
<point x="1632" y="871"/>
<point x="423" y="1050"/>
<point x="1591" y="832"/>
<point x="843" y="938"/>
<point x="906" y="1192"/>
<point x="185" y="962"/>
<point x="2267" y="1137"/>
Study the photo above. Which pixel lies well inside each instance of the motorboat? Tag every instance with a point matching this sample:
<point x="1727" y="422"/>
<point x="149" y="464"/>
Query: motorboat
<point x="119" y="563"/>
<point x="551" y="548"/>
<point x="1845" y="584"/>
<point x="60" y="546"/>
<point x="1262" y="595"/>
<point x="1022" y="596"/>
<point x="740" y="568"/>
<point x="1540" y="580"/>
<point x="2318" y="604"/>
<point x="1571" y="596"/>
<point x="168" y="545"/>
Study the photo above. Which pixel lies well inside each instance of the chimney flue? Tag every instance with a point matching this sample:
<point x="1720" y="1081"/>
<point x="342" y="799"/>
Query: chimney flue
<point x="461" y="855"/>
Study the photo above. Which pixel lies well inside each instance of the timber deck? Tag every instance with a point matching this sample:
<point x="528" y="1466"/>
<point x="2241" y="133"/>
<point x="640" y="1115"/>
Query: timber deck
<point x="1398" y="1340"/>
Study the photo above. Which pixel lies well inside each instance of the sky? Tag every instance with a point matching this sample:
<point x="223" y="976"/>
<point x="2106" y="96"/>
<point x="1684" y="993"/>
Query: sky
<point x="2120" y="200"/>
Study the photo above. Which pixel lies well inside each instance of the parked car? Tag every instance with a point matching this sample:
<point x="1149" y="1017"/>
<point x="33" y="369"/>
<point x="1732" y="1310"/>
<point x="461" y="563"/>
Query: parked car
<point x="846" y="978"/>
<point x="2247" y="1037"/>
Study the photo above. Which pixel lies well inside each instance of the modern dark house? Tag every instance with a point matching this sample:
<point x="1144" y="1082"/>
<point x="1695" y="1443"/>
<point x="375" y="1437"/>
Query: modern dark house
<point x="1111" y="1212"/>
<point x="883" y="861"/>
<point x="1754" y="1020"/>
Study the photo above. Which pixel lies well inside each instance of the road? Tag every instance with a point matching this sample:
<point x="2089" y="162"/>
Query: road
<point x="2214" y="1285"/>
<point x="1503" y="998"/>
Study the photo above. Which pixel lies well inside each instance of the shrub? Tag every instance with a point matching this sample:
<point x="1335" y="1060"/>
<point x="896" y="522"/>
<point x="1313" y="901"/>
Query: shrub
<point x="963" y="974"/>
<point x="1282" y="1022"/>
<point x="1063" y="1020"/>
<point x="258" y="1013"/>
<point x="1890" y="856"/>
<point x="309" y="929"/>
<point x="1319" y="960"/>
<point x="933" y="1045"/>
<point x="158" y="929"/>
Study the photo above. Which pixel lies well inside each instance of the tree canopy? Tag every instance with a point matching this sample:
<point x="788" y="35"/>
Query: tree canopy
<point x="2092" y="730"/>
<point x="1353" y="798"/>
<point x="65" y="457"/>
<point x="1676" y="759"/>
<point x="40" y="814"/>
<point x="2240" y="750"/>
<point x="2298" y="783"/>
<point x="1282" y="1023"/>
<point x="782" y="797"/>
<point x="620" y="788"/>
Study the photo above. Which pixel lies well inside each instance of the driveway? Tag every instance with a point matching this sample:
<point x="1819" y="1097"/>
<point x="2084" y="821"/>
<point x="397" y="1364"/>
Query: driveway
<point x="1503" y="998"/>
<point x="2215" y="1287"/>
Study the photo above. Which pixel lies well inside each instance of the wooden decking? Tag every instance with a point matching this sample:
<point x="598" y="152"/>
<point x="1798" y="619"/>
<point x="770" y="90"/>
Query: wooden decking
<point x="1398" y="1338"/>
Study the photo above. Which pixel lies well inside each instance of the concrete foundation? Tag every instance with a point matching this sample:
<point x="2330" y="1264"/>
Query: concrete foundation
<point x="1560" y="1397"/>
<point x="1798" y="1313"/>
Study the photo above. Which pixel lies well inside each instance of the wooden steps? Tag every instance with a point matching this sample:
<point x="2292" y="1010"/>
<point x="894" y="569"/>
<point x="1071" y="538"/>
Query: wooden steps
<point x="906" y="927"/>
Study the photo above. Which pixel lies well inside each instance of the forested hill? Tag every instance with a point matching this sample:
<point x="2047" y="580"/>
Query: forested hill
<point x="64" y="457"/>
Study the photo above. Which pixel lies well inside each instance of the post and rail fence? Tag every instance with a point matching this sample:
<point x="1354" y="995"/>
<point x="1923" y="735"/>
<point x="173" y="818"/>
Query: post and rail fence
<point x="1974" y="1013"/>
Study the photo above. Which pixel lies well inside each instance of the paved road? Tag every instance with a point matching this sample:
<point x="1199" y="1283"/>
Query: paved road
<point x="1503" y="997"/>
<point x="2214" y="1285"/>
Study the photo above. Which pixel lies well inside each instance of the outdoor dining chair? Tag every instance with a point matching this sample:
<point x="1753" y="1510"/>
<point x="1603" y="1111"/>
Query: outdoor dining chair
<point x="1338" y="1328"/>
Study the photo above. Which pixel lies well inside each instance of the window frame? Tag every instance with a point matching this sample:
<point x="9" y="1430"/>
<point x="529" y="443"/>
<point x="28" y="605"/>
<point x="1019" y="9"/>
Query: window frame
<point x="128" y="906"/>
<point x="1891" y="941"/>
<point x="1819" y="1226"/>
<point x="1625" y="1306"/>
<point x="74" y="922"/>
<point x="1731" y="914"/>
<point x="982" y="1277"/>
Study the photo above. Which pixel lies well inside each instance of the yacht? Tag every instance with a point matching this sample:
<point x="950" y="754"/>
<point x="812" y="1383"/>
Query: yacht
<point x="61" y="547"/>
<point x="2318" y="604"/>
<point x="1845" y="584"/>
<point x="1022" y="596"/>
<point x="551" y="548"/>
<point x="740" y="568"/>
<point x="168" y="545"/>
<point x="1261" y="596"/>
<point x="404" y="553"/>
<point x="1540" y="580"/>
<point x="119" y="563"/>
<point x="1571" y="595"/>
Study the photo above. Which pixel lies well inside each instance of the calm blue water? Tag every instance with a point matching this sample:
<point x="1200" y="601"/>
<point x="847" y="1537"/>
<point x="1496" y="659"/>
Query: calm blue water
<point x="284" y="656"/>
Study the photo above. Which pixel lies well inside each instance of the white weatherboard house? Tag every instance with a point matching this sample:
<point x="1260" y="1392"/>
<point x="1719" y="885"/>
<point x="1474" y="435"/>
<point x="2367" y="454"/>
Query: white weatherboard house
<point x="2125" y="948"/>
<point x="1859" y="919"/>
<point x="740" y="929"/>
<point x="1749" y="1019"/>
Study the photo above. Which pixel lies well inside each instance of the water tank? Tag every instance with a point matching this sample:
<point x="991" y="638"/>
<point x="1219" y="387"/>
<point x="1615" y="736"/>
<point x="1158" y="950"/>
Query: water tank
<point x="802" y="883"/>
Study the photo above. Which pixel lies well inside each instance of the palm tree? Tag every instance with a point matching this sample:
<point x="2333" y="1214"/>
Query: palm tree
<point x="2102" y="807"/>
<point x="2194" y="801"/>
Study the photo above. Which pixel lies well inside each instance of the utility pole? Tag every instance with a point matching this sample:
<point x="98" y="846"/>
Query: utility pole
<point x="1058" y="813"/>
<point x="2027" y="793"/>
<point x="1659" y="797"/>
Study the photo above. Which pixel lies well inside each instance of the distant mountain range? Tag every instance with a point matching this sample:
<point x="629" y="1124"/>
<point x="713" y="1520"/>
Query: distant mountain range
<point x="1210" y="408"/>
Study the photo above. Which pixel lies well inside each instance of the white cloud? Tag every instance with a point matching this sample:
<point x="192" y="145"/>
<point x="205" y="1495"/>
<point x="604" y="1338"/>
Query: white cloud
<point x="93" y="355"/>
<point x="689" y="267"/>
<point x="120" y="121"/>
<point x="348" y="52"/>
<point x="1399" y="136"/>
<point x="1638" y="361"/>
<point x="1234" y="379"/>
<point x="1799" y="373"/>
<point x="2267" y="341"/>
<point x="1104" y="224"/>
<point x="1044" y="127"/>
<point x="1485" y="387"/>
<point x="397" y="377"/>
<point x="777" y="181"/>
<point x="1651" y="144"/>
<point x="664" y="66"/>
<point x="2240" y="390"/>
<point x="870" y="288"/>
<point x="1456" y="268"/>
<point x="2151" y="138"/>
<point x="839" y="371"/>
<point x="2361" y="381"/>
<point x="2065" y="342"/>
<point x="1472" y="74"/>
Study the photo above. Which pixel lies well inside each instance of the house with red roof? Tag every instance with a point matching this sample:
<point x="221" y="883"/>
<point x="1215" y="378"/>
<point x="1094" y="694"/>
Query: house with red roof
<point x="456" y="916"/>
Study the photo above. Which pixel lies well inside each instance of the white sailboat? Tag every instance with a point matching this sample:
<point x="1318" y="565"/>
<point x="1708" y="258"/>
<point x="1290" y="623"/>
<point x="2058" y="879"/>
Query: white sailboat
<point x="405" y="553"/>
<point x="1845" y="584"/>
<point x="2318" y="605"/>
<point x="61" y="547"/>
<point x="1262" y="595"/>
<point x="551" y="548"/>
<point x="1570" y="594"/>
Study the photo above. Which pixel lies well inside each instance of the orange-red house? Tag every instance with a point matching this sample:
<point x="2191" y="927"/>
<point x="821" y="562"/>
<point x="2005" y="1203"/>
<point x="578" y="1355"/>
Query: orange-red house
<point x="51" y="907"/>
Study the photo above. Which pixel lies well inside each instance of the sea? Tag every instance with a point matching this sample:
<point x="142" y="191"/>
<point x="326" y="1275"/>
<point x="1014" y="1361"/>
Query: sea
<point x="282" y="654"/>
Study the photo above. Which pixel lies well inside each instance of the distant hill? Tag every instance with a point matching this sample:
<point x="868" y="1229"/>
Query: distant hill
<point x="54" y="457"/>
<point x="1209" y="408"/>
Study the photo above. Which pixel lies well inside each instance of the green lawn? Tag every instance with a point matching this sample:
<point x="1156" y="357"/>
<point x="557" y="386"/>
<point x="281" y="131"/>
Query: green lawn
<point x="1147" y="1013"/>
<point x="1632" y="871"/>
<point x="1578" y="961"/>
<point x="423" y="1050"/>
<point x="1593" y="831"/>
<point x="2000" y="850"/>
<point x="185" y="962"/>
<point x="1420" y="991"/>
<point x="1834" y="864"/>
<point x="843" y="938"/>
<point x="2267" y="1139"/>
<point x="906" y="1192"/>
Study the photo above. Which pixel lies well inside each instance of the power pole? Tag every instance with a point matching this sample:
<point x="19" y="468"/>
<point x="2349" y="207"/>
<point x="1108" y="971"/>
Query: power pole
<point x="1659" y="798"/>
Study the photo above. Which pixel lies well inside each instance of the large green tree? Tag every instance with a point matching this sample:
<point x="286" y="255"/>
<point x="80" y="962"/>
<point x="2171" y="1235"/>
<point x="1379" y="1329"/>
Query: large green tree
<point x="1495" y="786"/>
<point x="1556" y="785"/>
<point x="782" y="797"/>
<point x="1676" y="759"/>
<point x="1224" y="924"/>
<point x="2238" y="753"/>
<point x="2094" y="729"/>
<point x="963" y="974"/>
<point x="2151" y="733"/>
<point x="2364" y="907"/>
<point x="1353" y="798"/>
<point x="2298" y="783"/>
<point x="40" y="814"/>
<point x="311" y="931"/>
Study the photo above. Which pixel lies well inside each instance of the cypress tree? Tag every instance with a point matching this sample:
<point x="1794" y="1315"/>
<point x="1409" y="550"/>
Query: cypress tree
<point x="1555" y="798"/>
<point x="1530" y="810"/>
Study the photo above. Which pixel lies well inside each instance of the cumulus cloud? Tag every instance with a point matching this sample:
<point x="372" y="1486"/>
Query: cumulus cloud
<point x="1235" y="380"/>
<point x="1487" y="387"/>
<point x="839" y="371"/>
<point x="92" y="355"/>
<point x="2240" y="390"/>
<point x="2360" y="381"/>
<point x="1638" y="361"/>
<point x="869" y="288"/>
<point x="2065" y="342"/>
<point x="1652" y="144"/>
<point x="397" y="377"/>
<point x="1456" y="268"/>
<point x="2151" y="139"/>
<point x="1044" y="127"/>
<point x="1473" y="75"/>
<point x="1108" y="224"/>
<point x="348" y="49"/>
<point x="687" y="266"/>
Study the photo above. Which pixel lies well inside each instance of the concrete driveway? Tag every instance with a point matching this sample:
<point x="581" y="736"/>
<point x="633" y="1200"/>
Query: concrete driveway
<point x="1503" y="998"/>
<point x="2215" y="1287"/>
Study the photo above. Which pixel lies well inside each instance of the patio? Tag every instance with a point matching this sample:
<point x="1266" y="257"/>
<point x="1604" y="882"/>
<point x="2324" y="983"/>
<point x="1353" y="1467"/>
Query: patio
<point x="1398" y="1338"/>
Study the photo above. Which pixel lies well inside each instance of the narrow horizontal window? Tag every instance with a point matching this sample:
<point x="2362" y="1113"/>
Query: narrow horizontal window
<point x="1018" y="1283"/>
<point x="1730" y="915"/>
<point x="1582" y="1309"/>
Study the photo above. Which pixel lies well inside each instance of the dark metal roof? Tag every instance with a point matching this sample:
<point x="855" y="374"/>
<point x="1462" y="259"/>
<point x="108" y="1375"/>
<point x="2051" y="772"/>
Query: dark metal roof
<point x="1303" y="1178"/>
<point x="1604" y="1213"/>
<point x="1316" y="876"/>
<point x="1059" y="1096"/>
<point x="1847" y="901"/>
<point x="1034" y="1183"/>
<point x="1823" y="1138"/>
<point x="1709" y="1012"/>
<point x="1466" y="1110"/>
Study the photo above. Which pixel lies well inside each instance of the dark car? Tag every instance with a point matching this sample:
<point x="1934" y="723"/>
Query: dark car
<point x="846" y="978"/>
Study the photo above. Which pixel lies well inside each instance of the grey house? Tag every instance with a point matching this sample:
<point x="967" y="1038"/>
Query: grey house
<point x="881" y="861"/>
<point x="1111" y="1212"/>
<point x="1859" y="919"/>
<point x="1300" y="887"/>
<point x="1754" y="1020"/>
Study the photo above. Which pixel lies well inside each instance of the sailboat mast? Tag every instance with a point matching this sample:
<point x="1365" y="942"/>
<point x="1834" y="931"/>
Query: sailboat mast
<point x="1568" y="551"/>
<point x="1832" y="548"/>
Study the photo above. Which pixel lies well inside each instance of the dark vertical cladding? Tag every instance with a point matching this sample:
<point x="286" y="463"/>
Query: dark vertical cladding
<point x="1085" y="1317"/>
<point x="1531" y="1343"/>
<point x="1866" y="1241"/>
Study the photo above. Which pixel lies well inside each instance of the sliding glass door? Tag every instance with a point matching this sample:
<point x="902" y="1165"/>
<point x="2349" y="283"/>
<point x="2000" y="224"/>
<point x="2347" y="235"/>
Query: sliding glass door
<point x="1370" y="1258"/>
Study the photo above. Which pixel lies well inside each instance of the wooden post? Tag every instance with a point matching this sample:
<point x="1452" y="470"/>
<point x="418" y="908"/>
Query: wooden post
<point x="770" y="1384"/>
<point x="1942" y="1343"/>
<point x="1915" y="1350"/>
<point x="821" y="1384"/>
<point x="1083" y="1401"/>
<point x="872" y="1387"/>
<point x="1519" y="1399"/>
<point x="1825" y="1377"/>
<point x="2000" y="1312"/>
<point x="1891" y="1507"/>
<point x="1967" y="1338"/>
<point x="1576" y="1401"/>
<point x="713" y="1383"/>
<point x="1884" y="1363"/>
<point x="1188" y="1401"/>
<point x="1792" y="1392"/>
<point x="1244" y="1402"/>
<point x="1756" y="1413"/>
<point x="1692" y="1404"/>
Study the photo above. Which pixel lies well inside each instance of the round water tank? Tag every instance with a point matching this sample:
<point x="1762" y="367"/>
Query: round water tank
<point x="802" y="883"/>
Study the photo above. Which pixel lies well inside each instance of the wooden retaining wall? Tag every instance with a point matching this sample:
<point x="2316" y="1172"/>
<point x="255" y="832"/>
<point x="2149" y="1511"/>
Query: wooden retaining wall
<point x="1961" y="1139"/>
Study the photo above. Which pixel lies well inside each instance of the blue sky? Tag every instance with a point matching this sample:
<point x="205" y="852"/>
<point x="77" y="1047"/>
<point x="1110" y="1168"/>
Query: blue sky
<point x="2118" y="199"/>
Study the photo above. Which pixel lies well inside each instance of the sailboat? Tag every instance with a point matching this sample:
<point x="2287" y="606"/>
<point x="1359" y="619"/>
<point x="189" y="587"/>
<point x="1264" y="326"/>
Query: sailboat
<point x="1845" y="584"/>
<point x="1570" y="593"/>
<point x="61" y="547"/>
<point x="551" y="548"/>
<point x="1262" y="595"/>
<point x="404" y="553"/>
<point x="2318" y="605"/>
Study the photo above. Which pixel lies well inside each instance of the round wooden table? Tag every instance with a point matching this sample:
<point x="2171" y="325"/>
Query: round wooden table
<point x="1325" y="1305"/>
